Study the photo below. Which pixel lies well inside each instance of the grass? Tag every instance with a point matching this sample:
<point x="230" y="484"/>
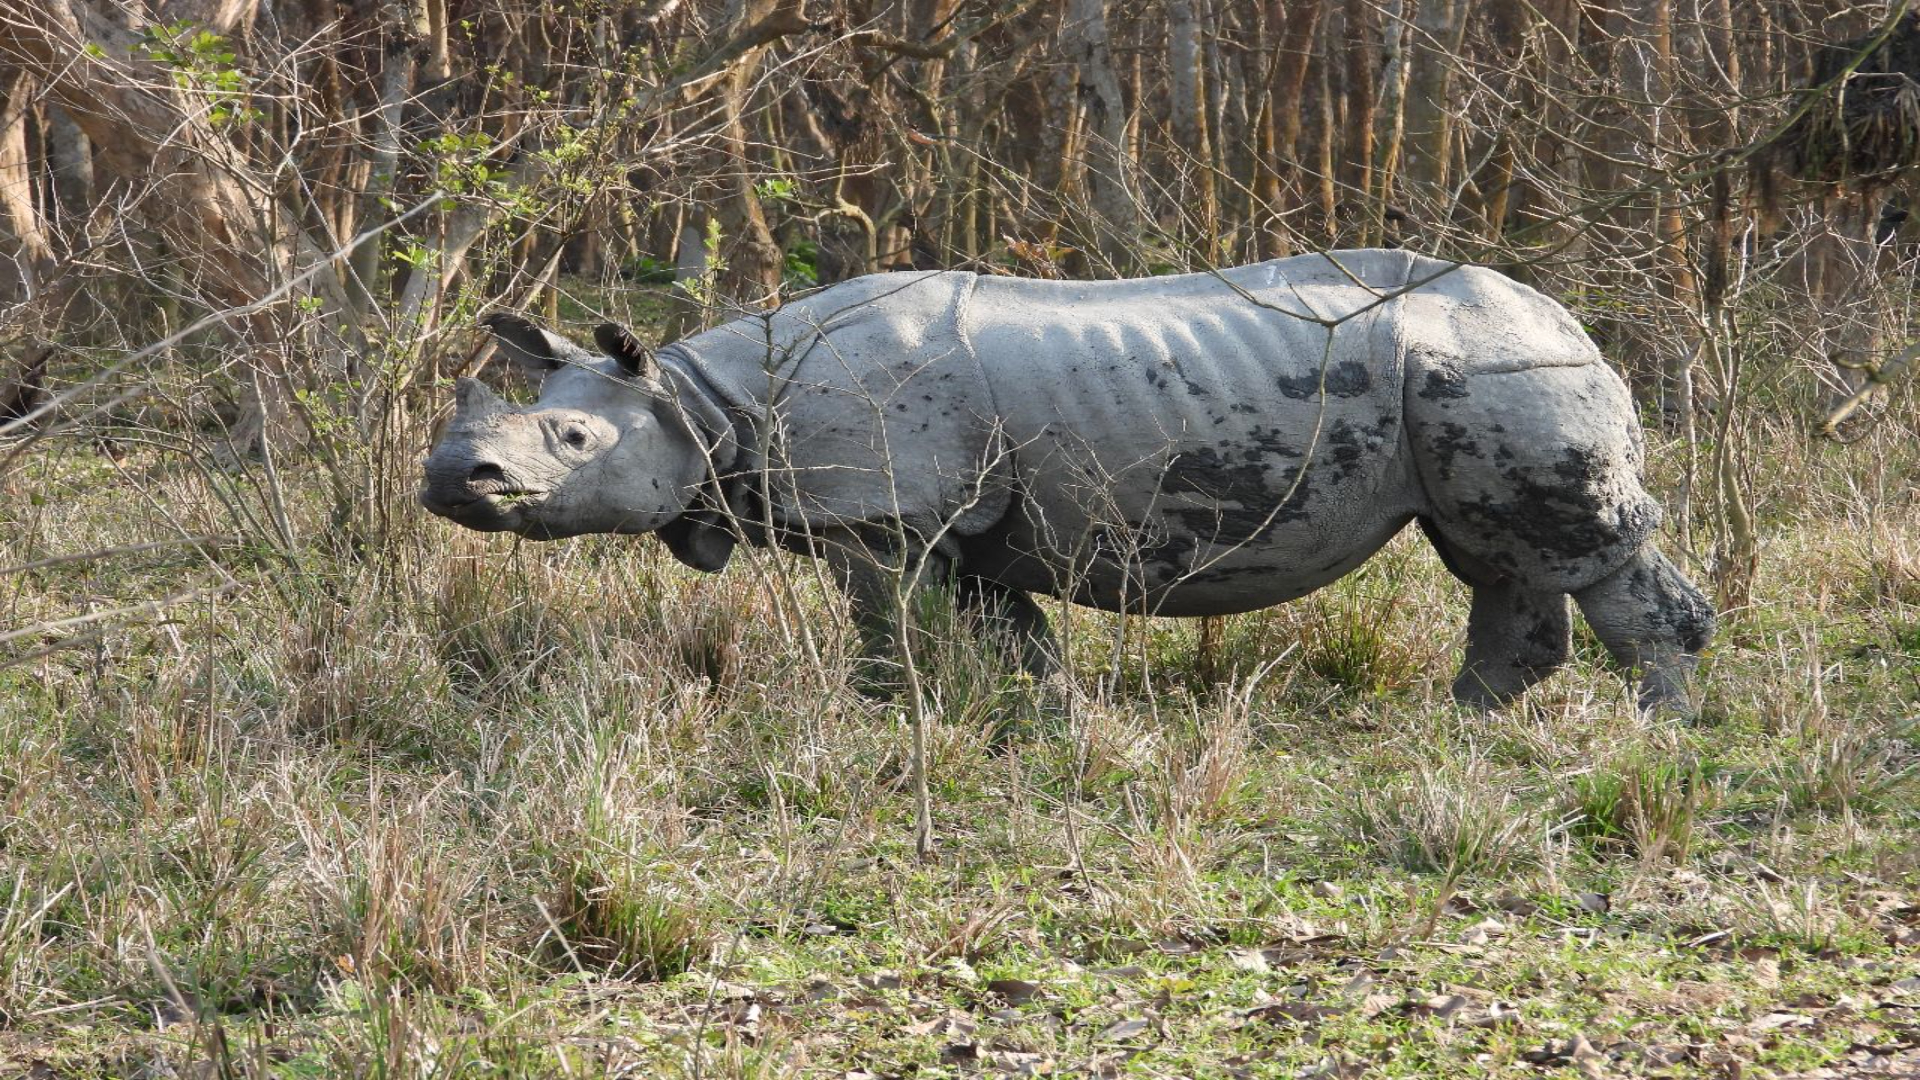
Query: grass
<point x="458" y="805"/>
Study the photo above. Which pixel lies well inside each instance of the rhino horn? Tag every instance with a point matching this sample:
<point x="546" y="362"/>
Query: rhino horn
<point x="530" y="348"/>
<point x="472" y="401"/>
<point x="634" y="358"/>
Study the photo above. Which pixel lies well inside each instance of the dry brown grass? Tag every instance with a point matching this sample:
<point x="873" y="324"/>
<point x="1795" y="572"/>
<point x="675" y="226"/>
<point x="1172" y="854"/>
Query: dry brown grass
<point x="462" y="799"/>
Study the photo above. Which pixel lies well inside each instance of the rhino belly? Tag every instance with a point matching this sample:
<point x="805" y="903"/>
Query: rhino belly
<point x="1178" y="575"/>
<point x="1250" y="514"/>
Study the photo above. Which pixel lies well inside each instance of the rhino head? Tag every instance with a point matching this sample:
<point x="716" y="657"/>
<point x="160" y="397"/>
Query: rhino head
<point x="612" y="445"/>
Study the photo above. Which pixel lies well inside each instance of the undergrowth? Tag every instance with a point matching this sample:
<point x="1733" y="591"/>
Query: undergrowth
<point x="465" y="805"/>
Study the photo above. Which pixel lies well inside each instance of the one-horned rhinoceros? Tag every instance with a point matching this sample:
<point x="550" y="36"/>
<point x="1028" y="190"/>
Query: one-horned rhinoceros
<point x="1195" y="445"/>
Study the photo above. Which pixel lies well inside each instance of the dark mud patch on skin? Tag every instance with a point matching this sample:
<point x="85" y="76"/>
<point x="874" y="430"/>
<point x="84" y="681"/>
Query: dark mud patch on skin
<point x="1350" y="444"/>
<point x="1443" y="384"/>
<point x="1348" y="378"/>
<point x="1563" y="514"/>
<point x="1271" y="441"/>
<point x="1247" y="499"/>
<point x="1221" y="575"/>
<point x="1549" y="635"/>
<point x="1452" y="441"/>
<point x="1680" y="609"/>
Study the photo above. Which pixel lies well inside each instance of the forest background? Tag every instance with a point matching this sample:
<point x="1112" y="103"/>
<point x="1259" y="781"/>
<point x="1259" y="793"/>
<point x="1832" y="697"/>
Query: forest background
<point x="296" y="781"/>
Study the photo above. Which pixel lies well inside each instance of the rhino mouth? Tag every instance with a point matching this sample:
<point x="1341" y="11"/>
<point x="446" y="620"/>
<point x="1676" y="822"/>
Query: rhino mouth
<point x="508" y="500"/>
<point x="491" y="511"/>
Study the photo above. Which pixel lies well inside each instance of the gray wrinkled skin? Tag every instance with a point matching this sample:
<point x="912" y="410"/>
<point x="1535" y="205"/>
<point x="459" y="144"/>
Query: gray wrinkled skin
<point x="1193" y="445"/>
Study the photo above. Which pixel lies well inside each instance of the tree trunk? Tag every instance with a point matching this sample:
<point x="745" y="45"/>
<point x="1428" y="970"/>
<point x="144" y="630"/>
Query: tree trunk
<point x="1286" y="96"/>
<point x="236" y="245"/>
<point x="1357" y="175"/>
<point x="1109" y="167"/>
<point x="396" y="88"/>
<point x="1190" y="126"/>
<point x="26" y="258"/>
<point x="753" y="260"/>
<point x="1439" y="35"/>
<point x="1327" y="185"/>
<point x="1392" y="117"/>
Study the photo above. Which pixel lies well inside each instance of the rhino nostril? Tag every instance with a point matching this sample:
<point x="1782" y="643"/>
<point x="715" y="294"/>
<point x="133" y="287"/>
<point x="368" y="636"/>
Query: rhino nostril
<point x="487" y="474"/>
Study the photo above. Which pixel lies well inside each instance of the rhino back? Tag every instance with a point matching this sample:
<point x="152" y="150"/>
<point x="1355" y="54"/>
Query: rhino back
<point x="1197" y="443"/>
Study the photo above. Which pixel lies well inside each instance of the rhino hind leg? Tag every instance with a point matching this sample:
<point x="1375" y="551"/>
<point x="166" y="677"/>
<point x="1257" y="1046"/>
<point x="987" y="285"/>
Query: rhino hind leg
<point x="1515" y="638"/>
<point x="1654" y="622"/>
<point x="1010" y="616"/>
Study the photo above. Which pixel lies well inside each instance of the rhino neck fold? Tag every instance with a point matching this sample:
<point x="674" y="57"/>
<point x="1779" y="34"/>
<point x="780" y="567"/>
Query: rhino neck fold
<point x="705" y="411"/>
<point x="730" y="495"/>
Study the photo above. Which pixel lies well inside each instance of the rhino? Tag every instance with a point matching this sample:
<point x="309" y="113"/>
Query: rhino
<point x="1191" y="445"/>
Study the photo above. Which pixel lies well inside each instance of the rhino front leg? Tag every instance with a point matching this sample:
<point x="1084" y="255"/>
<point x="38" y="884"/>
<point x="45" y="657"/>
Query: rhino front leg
<point x="1655" y="622"/>
<point x="879" y="579"/>
<point x="1515" y="638"/>
<point x="1011" y="616"/>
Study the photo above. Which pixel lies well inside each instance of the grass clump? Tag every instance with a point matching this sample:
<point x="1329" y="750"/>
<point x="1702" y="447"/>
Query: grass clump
<point x="616" y="906"/>
<point x="1640" y="802"/>
<point x="1446" y="820"/>
<point x="613" y="913"/>
<point x="23" y="945"/>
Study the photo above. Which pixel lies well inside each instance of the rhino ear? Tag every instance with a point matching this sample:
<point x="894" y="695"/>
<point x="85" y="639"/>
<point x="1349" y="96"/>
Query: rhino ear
<point x="634" y="358"/>
<point x="701" y="539"/>
<point x="530" y="348"/>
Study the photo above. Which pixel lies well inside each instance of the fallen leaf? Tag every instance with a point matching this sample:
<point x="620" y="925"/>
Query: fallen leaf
<point x="726" y="991"/>
<point x="1248" y="960"/>
<point x="1020" y="1062"/>
<point x="1586" y="1058"/>
<point x="1374" y="1004"/>
<point x="1666" y="1054"/>
<point x="1518" y="906"/>
<point x="1298" y="1012"/>
<point x="1774" y="1021"/>
<point x="1577" y="1051"/>
<point x="1015" y="991"/>
<point x="1440" y="1005"/>
<point x="1123" y="1029"/>
<point x="955" y="1027"/>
